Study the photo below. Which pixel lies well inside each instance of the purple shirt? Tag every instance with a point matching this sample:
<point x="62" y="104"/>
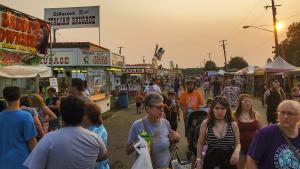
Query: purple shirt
<point x="270" y="150"/>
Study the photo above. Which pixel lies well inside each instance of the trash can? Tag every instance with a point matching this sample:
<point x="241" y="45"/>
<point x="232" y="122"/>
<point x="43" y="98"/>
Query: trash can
<point x="123" y="99"/>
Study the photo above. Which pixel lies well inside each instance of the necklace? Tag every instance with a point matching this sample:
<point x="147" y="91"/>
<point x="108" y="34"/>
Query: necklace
<point x="220" y="130"/>
<point x="245" y="117"/>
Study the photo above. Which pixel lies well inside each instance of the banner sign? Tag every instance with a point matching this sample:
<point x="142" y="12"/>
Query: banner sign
<point x="94" y="58"/>
<point x="17" y="58"/>
<point x="21" y="33"/>
<point x="134" y="71"/>
<point x="60" y="58"/>
<point x="117" y="60"/>
<point x="78" y="17"/>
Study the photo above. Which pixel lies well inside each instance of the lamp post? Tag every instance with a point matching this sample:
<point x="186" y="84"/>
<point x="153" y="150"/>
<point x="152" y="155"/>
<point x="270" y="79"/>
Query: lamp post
<point x="275" y="37"/>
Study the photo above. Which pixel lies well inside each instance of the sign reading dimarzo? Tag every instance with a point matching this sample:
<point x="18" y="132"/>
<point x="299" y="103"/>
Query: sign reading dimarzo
<point x="78" y="17"/>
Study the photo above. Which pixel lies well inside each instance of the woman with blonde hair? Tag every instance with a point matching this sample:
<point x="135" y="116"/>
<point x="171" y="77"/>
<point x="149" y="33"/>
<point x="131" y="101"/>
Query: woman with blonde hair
<point x="277" y="145"/>
<point x="44" y="112"/>
<point x="248" y="123"/>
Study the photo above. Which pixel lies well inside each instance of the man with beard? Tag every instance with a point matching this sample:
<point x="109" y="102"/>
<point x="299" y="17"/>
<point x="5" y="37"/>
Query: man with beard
<point x="190" y="100"/>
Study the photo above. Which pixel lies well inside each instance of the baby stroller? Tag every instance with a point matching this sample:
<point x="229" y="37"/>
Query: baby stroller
<point x="192" y="127"/>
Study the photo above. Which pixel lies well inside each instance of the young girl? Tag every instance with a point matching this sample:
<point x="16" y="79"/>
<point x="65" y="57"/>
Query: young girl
<point x="221" y="134"/>
<point x="138" y="102"/>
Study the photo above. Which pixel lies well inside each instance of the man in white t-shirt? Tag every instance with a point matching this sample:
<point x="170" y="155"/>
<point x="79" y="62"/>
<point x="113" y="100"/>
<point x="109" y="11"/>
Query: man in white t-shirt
<point x="71" y="146"/>
<point x="152" y="88"/>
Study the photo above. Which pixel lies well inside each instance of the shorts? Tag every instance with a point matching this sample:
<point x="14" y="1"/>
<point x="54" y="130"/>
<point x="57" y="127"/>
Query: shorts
<point x="138" y="104"/>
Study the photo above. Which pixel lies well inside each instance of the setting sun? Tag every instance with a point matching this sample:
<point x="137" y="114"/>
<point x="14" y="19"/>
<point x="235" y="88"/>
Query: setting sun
<point x="279" y="26"/>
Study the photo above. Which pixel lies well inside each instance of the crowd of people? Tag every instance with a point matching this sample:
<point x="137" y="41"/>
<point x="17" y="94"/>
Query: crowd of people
<point x="51" y="132"/>
<point x="233" y="135"/>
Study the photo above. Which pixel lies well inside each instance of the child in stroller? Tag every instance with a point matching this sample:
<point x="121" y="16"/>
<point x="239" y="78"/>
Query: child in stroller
<point x="192" y="127"/>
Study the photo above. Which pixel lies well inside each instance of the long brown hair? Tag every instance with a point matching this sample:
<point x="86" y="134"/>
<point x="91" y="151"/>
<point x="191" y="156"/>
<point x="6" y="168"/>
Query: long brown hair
<point x="238" y="111"/>
<point x="211" y="116"/>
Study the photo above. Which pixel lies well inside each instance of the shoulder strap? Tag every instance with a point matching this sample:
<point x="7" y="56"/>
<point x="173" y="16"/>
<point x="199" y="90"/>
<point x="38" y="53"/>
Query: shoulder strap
<point x="291" y="146"/>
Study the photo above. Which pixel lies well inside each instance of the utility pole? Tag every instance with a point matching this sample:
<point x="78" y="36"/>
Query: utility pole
<point x="54" y="35"/>
<point x="143" y="59"/>
<point x="274" y="12"/>
<point x="120" y="49"/>
<point x="224" y="49"/>
<point x="209" y="53"/>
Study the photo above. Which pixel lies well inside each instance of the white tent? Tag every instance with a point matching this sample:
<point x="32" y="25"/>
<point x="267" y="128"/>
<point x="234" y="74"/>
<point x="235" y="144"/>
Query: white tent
<point x="18" y="71"/>
<point x="246" y="70"/>
<point x="279" y="65"/>
<point x="221" y="72"/>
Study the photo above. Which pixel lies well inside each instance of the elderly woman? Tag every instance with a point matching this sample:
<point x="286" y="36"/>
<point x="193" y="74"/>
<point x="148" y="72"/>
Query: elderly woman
<point x="158" y="127"/>
<point x="277" y="146"/>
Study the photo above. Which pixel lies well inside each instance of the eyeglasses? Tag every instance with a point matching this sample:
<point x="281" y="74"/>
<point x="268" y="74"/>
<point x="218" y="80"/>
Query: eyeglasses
<point x="160" y="107"/>
<point x="287" y="113"/>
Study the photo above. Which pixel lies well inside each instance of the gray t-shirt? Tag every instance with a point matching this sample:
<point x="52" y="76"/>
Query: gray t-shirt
<point x="160" y="139"/>
<point x="67" y="148"/>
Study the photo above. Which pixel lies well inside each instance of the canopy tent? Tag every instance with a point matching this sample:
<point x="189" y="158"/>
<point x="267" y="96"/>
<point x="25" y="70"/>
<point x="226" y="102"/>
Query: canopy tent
<point x="18" y="71"/>
<point x="246" y="70"/>
<point x="221" y="72"/>
<point x="279" y="65"/>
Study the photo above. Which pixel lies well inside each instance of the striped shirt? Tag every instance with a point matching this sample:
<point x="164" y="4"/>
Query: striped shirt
<point x="225" y="143"/>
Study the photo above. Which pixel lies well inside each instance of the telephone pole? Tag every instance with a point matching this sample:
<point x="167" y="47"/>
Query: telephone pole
<point x="209" y="53"/>
<point x="224" y="49"/>
<point x="120" y="49"/>
<point x="274" y="12"/>
<point x="143" y="59"/>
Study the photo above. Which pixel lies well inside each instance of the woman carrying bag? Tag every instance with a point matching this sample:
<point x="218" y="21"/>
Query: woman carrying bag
<point x="158" y="128"/>
<point x="221" y="134"/>
<point x="277" y="146"/>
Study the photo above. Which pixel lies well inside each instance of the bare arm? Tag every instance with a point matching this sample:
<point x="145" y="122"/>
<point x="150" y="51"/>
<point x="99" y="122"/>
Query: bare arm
<point x="129" y="149"/>
<point x="236" y="153"/>
<point x="251" y="164"/>
<point x="184" y="110"/>
<point x="56" y="105"/>
<point x="102" y="158"/>
<point x="200" y="144"/>
<point x="49" y="112"/>
<point x="39" y="126"/>
<point x="31" y="143"/>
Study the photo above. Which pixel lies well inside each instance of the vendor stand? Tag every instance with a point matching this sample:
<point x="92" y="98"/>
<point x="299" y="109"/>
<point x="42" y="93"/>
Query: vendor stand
<point x="23" y="43"/>
<point x="86" y="61"/>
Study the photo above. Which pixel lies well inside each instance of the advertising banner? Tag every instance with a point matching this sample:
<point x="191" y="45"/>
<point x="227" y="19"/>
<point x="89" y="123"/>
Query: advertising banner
<point x="60" y="58"/>
<point x="21" y="33"/>
<point x="117" y="60"/>
<point x="94" y="58"/>
<point x="77" y="17"/>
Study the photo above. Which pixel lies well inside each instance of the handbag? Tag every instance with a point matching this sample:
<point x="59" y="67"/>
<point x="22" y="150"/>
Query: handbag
<point x="290" y="145"/>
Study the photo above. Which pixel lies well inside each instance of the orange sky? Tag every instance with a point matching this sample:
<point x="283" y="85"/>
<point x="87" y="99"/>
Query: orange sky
<point x="188" y="29"/>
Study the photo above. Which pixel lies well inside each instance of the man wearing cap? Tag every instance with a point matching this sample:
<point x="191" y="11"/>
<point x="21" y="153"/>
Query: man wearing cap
<point x="190" y="100"/>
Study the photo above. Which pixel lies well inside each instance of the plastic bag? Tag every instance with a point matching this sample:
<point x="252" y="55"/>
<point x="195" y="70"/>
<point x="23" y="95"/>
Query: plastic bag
<point x="177" y="165"/>
<point x="144" y="159"/>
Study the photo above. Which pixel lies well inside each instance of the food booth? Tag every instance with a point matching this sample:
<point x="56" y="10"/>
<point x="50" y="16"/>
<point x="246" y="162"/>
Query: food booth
<point x="86" y="61"/>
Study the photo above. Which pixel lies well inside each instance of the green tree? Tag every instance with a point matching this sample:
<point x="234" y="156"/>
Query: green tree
<point x="237" y="62"/>
<point x="289" y="49"/>
<point x="210" y="65"/>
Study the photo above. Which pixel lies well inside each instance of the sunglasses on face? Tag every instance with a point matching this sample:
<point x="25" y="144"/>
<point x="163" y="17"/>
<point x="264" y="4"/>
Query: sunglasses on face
<point x="246" y="101"/>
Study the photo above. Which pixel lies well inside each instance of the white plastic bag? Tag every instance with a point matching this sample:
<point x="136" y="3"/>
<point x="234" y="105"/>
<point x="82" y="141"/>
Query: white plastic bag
<point x="144" y="159"/>
<point x="177" y="165"/>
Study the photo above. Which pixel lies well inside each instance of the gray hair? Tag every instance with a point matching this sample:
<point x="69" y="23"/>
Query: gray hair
<point x="153" y="98"/>
<point x="294" y="104"/>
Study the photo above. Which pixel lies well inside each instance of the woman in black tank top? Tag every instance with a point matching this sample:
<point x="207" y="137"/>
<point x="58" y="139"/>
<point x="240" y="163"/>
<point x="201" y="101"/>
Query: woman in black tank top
<point x="221" y="135"/>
